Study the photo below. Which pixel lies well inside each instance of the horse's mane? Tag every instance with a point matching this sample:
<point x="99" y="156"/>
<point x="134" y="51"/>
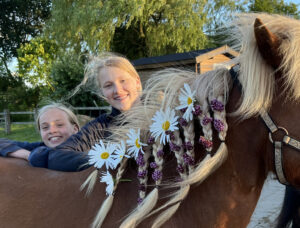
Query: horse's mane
<point x="161" y="92"/>
<point x="257" y="78"/>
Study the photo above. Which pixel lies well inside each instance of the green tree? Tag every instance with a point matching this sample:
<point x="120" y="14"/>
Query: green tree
<point x="35" y="61"/>
<point x="274" y="7"/>
<point x="20" y="20"/>
<point x="66" y="73"/>
<point x="14" y="94"/>
<point x="134" y="28"/>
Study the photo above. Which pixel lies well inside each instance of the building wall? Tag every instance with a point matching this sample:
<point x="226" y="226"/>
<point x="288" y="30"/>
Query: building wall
<point x="146" y="74"/>
<point x="208" y="65"/>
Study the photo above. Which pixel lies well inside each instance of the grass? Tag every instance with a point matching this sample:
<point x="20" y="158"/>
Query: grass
<point x="21" y="132"/>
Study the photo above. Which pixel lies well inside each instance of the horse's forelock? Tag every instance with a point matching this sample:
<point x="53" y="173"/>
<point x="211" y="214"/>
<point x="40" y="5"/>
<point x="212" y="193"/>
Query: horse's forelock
<point x="257" y="78"/>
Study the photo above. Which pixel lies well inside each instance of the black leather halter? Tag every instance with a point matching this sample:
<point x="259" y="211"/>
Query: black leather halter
<point x="272" y="128"/>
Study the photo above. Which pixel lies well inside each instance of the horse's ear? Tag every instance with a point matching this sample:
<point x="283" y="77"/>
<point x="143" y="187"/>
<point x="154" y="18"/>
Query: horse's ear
<point x="268" y="44"/>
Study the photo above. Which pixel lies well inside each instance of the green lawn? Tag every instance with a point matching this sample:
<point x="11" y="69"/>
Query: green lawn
<point x="21" y="132"/>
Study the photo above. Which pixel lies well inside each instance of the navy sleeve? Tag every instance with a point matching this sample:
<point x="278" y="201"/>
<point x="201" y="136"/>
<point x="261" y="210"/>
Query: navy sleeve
<point x="8" y="146"/>
<point x="71" y="155"/>
<point x="57" y="159"/>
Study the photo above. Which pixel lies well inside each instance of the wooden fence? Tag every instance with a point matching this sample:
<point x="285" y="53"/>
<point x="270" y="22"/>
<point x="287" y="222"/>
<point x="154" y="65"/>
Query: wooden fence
<point x="5" y="116"/>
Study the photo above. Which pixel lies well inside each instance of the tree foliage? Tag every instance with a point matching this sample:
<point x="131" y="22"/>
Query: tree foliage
<point x="35" y="61"/>
<point x="274" y="7"/>
<point x="14" y="94"/>
<point x="67" y="72"/>
<point x="134" y="28"/>
<point x="20" y="20"/>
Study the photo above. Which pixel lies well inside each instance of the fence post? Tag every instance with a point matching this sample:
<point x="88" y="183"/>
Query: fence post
<point x="35" y="113"/>
<point x="7" y="121"/>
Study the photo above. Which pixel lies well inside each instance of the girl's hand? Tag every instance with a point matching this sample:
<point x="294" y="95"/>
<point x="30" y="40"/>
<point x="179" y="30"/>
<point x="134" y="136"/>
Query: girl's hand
<point x="22" y="153"/>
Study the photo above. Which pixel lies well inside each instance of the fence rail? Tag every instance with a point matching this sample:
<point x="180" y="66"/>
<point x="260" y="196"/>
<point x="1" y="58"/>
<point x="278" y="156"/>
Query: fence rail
<point x="5" y="116"/>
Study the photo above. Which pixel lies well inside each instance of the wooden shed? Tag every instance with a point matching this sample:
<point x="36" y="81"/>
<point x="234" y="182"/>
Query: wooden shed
<point x="199" y="61"/>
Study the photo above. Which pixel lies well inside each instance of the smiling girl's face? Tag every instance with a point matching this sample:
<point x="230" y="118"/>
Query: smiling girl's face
<point x="55" y="127"/>
<point x="120" y="89"/>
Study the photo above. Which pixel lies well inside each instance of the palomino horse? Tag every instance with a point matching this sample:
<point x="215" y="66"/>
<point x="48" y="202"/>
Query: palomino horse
<point x="192" y="187"/>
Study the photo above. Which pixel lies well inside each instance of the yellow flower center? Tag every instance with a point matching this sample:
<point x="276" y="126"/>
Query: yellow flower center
<point x="137" y="143"/>
<point x="104" y="155"/>
<point x="166" y="125"/>
<point x="189" y="101"/>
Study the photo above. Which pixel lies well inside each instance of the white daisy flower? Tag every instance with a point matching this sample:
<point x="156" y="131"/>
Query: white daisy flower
<point x="186" y="100"/>
<point x="163" y="122"/>
<point x="107" y="178"/>
<point x="134" y="143"/>
<point x="101" y="154"/>
<point x="120" y="152"/>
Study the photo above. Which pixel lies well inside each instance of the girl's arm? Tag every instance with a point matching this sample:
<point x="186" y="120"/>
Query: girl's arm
<point x="10" y="148"/>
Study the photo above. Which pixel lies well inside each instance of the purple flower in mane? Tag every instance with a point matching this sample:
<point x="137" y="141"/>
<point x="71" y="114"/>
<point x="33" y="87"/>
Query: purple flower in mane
<point x="188" y="159"/>
<point x="219" y="125"/>
<point x="197" y="111"/>
<point x="156" y="175"/>
<point x="206" y="120"/>
<point x="142" y="187"/>
<point x="180" y="169"/>
<point x="168" y="132"/>
<point x="153" y="165"/>
<point x="160" y="153"/>
<point x="205" y="142"/>
<point x="174" y="147"/>
<point x="142" y="174"/>
<point x="217" y="105"/>
<point x="188" y="146"/>
<point x="182" y="122"/>
<point x="151" y="140"/>
<point x="140" y="160"/>
<point x="183" y="110"/>
<point x="172" y="136"/>
<point x="139" y="200"/>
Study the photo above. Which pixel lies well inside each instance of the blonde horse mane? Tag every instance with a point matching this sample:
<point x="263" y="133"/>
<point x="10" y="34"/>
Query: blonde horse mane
<point x="256" y="77"/>
<point x="258" y="86"/>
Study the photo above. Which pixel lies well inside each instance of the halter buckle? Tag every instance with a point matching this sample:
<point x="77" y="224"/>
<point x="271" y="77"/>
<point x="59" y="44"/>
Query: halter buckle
<point x="286" y="133"/>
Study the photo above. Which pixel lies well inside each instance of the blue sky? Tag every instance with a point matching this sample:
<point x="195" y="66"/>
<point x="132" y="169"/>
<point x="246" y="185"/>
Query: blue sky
<point x="293" y="1"/>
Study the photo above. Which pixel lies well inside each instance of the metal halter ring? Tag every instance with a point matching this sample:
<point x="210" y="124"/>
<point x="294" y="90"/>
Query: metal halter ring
<point x="278" y="128"/>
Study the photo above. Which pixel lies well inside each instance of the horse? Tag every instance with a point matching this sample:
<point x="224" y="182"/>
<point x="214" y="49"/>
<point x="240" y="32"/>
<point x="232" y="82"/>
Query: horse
<point x="211" y="170"/>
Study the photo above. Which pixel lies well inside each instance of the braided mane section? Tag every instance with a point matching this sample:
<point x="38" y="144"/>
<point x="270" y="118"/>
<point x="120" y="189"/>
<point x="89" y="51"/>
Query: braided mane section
<point x="161" y="93"/>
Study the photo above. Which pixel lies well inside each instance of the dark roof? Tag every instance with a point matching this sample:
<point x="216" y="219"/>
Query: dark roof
<point x="170" y="58"/>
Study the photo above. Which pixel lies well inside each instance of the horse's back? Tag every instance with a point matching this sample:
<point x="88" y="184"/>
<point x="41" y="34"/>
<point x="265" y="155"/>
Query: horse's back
<point x="37" y="197"/>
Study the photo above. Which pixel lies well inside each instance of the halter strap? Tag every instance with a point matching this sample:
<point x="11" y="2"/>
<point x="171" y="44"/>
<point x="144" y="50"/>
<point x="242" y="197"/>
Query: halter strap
<point x="287" y="140"/>
<point x="291" y="142"/>
<point x="277" y="147"/>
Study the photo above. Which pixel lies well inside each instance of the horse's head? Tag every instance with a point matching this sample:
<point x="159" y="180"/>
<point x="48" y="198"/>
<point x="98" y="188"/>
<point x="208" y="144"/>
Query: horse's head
<point x="280" y="50"/>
